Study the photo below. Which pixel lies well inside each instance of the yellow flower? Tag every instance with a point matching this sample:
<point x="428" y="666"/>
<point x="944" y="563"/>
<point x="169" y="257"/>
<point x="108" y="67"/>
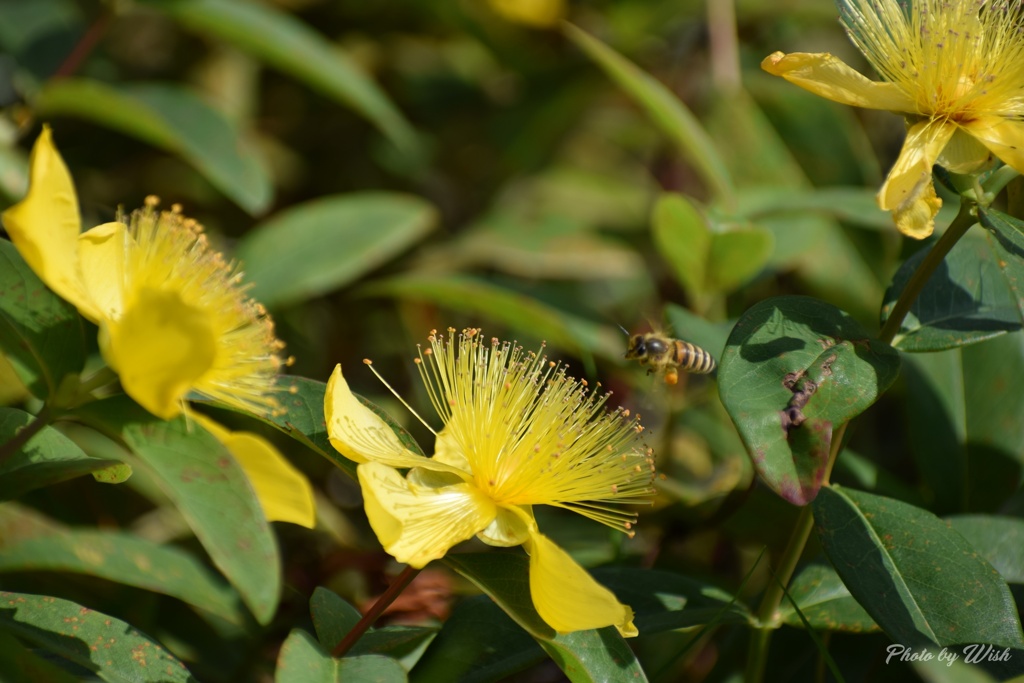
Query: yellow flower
<point x="173" y="317"/>
<point x="536" y="13"/>
<point x="517" y="433"/>
<point x="955" y="69"/>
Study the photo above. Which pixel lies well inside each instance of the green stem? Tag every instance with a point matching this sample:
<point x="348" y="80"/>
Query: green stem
<point x="22" y="436"/>
<point x="767" y="611"/>
<point x="393" y="591"/>
<point x="964" y="220"/>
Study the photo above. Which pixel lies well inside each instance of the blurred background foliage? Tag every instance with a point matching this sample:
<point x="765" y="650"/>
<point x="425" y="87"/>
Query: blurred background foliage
<point x="384" y="168"/>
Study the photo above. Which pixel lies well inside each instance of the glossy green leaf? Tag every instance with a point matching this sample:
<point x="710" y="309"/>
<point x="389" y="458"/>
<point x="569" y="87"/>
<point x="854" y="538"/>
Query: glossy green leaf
<point x="197" y="473"/>
<point x="173" y="119"/>
<point x="478" y="644"/>
<point x="941" y="669"/>
<point x="595" y="655"/>
<point x="40" y="334"/>
<point x="111" y="648"/>
<point x="47" y="458"/>
<point x="21" y="665"/>
<point x="463" y="293"/>
<point x="1000" y="540"/>
<point x="302" y="660"/>
<point x="281" y="41"/>
<point x="793" y="369"/>
<point x="977" y="292"/>
<point x="328" y="243"/>
<point x="127" y="559"/>
<point x="664" y="108"/>
<point x="921" y="581"/>
<point x="825" y="602"/>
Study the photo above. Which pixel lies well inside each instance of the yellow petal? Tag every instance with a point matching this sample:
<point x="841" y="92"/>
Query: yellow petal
<point x="284" y="493"/>
<point x="964" y="154"/>
<point x="448" y="451"/>
<point x="102" y="253"/>
<point x="357" y="433"/>
<point x="508" y="529"/>
<point x="45" y="227"/>
<point x="829" y="77"/>
<point x="908" y="191"/>
<point x="1004" y="137"/>
<point x="418" y="526"/>
<point x="567" y="597"/>
<point x="159" y="347"/>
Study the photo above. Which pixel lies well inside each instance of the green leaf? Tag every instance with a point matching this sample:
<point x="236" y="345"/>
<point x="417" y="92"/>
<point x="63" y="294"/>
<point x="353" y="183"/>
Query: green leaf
<point x="280" y="40"/>
<point x="595" y="655"/>
<point x="479" y="643"/>
<point x="111" y="648"/>
<point x="126" y="559"/>
<point x="21" y="665"/>
<point x="976" y="293"/>
<point x="333" y="618"/>
<point x="683" y="238"/>
<point x="302" y="660"/>
<point x="664" y="108"/>
<point x="853" y="205"/>
<point x="40" y="333"/>
<point x="173" y="119"/>
<point x="793" y="369"/>
<point x="47" y="458"/>
<point x="519" y="311"/>
<point x="197" y="473"/>
<point x="1000" y="540"/>
<point x="663" y="601"/>
<point x="921" y="581"/>
<point x="826" y="603"/>
<point x="328" y="243"/>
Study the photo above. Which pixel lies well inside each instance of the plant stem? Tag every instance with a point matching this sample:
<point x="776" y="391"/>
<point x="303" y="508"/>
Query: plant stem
<point x="393" y="591"/>
<point x="85" y="46"/>
<point x="766" y="614"/>
<point x="24" y="434"/>
<point x="964" y="220"/>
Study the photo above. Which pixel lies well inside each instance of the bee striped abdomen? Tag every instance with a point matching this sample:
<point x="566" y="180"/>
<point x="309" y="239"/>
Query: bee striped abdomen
<point x="692" y="358"/>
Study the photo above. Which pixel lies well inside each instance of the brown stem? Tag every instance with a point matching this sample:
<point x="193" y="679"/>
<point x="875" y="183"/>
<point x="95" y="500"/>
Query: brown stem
<point x="85" y="46"/>
<point x="393" y="591"/>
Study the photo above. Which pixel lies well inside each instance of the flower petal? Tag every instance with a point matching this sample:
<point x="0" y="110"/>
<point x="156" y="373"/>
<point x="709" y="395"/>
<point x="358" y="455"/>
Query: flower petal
<point x="908" y="191"/>
<point x="509" y="528"/>
<point x="159" y="347"/>
<point x="284" y="493"/>
<point x="102" y="254"/>
<point x="417" y="526"/>
<point x="1004" y="137"/>
<point x="358" y="434"/>
<point x="567" y="597"/>
<point x="825" y="75"/>
<point x="45" y="225"/>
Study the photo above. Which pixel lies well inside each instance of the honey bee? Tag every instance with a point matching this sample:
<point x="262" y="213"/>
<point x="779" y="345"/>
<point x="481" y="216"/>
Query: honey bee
<point x="669" y="356"/>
